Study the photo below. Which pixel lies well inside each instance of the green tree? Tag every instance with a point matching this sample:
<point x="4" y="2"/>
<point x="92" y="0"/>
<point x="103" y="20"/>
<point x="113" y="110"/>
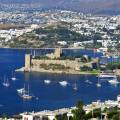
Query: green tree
<point x="116" y="117"/>
<point x="79" y="113"/>
<point x="61" y="117"/>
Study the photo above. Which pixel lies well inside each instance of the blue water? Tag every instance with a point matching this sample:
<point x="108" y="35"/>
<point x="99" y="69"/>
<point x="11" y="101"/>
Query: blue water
<point x="52" y="96"/>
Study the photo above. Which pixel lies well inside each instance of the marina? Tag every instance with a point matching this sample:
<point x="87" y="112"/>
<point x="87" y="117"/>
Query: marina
<point x="76" y="87"/>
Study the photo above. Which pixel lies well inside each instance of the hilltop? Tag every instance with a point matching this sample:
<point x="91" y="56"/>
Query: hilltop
<point x="48" y="36"/>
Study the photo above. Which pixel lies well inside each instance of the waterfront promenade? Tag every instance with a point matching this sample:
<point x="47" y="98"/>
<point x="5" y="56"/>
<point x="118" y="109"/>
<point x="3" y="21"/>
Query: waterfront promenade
<point x="51" y="115"/>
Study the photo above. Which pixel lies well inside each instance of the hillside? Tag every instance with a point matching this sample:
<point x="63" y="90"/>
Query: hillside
<point x="48" y="37"/>
<point x="92" y="6"/>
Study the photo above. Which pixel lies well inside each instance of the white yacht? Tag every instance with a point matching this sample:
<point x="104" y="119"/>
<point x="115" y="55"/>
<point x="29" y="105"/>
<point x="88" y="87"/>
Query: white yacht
<point x="63" y="83"/>
<point x="47" y="81"/>
<point x="114" y="81"/>
<point x="25" y="94"/>
<point x="105" y="75"/>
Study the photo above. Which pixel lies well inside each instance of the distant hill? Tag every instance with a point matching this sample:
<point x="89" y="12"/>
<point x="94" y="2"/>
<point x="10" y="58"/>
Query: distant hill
<point x="92" y="6"/>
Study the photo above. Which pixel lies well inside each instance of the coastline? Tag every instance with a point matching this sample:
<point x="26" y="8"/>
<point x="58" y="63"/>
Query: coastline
<point x="69" y="48"/>
<point x="58" y="72"/>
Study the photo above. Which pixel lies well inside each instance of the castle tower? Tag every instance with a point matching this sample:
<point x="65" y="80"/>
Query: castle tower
<point x="27" y="62"/>
<point x="57" y="52"/>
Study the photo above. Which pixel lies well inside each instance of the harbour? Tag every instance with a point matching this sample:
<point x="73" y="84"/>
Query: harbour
<point x="60" y="95"/>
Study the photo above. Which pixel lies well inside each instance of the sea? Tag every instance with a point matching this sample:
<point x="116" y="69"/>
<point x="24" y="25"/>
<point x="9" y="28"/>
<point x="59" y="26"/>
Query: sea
<point x="48" y="96"/>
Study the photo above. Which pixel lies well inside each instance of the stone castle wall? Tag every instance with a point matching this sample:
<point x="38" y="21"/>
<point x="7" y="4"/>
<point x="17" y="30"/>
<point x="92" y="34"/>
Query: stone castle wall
<point x="27" y="62"/>
<point x="67" y="63"/>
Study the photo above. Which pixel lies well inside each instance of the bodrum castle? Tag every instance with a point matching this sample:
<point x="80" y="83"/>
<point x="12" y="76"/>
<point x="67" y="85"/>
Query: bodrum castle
<point x="58" y="63"/>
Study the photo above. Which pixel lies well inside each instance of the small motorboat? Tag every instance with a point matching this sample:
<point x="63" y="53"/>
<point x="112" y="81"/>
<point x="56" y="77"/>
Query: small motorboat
<point x="113" y="81"/>
<point x="98" y="85"/>
<point x="47" y="81"/>
<point x="13" y="79"/>
<point x="63" y="83"/>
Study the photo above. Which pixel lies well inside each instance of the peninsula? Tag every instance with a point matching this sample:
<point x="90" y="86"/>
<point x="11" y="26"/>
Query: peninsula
<point x="58" y="63"/>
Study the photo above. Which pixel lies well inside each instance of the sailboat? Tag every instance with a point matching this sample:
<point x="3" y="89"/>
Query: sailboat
<point x="6" y="82"/>
<point x="21" y="91"/>
<point x="26" y="94"/>
<point x="13" y="77"/>
<point x="75" y="87"/>
<point x="114" y="81"/>
<point x="98" y="83"/>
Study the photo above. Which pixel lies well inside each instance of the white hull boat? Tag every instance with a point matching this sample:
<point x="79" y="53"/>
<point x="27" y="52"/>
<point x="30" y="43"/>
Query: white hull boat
<point x="98" y="85"/>
<point x="63" y="83"/>
<point x="106" y="76"/>
<point x="47" y="81"/>
<point x="13" y="79"/>
<point x="113" y="82"/>
<point x="21" y="91"/>
<point x="6" y="82"/>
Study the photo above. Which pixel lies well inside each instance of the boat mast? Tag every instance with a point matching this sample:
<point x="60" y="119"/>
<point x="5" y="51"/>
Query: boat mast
<point x="28" y="89"/>
<point x="4" y="80"/>
<point x="34" y="54"/>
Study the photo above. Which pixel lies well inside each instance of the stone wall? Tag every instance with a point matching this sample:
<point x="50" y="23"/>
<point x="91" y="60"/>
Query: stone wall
<point x="117" y="72"/>
<point x="67" y="63"/>
<point x="27" y="62"/>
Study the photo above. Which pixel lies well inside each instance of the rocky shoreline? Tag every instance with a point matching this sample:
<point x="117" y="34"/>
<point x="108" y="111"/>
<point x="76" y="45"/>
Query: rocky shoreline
<point x="56" y="71"/>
